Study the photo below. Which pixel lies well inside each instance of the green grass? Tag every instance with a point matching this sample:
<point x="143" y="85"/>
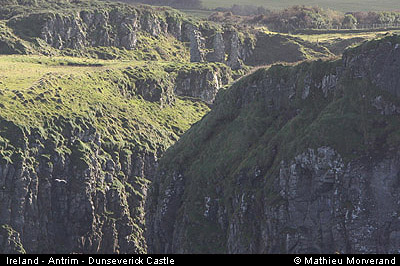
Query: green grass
<point x="332" y="37"/>
<point x="21" y="72"/>
<point x="35" y="89"/>
<point x="335" y="42"/>
<point x="341" y="5"/>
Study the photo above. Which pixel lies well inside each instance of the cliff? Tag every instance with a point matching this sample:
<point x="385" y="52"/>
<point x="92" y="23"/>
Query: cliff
<point x="78" y="143"/>
<point x="299" y="159"/>
<point x="81" y="132"/>
<point x="108" y="30"/>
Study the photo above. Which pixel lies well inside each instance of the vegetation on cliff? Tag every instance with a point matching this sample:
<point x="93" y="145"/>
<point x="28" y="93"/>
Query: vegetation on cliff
<point x="237" y="152"/>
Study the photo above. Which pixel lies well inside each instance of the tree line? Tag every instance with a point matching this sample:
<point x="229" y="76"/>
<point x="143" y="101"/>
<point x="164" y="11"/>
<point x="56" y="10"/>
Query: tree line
<point x="304" y="17"/>
<point x="184" y="4"/>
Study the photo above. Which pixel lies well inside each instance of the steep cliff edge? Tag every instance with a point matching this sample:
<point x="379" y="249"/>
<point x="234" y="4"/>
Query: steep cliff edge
<point x="296" y="159"/>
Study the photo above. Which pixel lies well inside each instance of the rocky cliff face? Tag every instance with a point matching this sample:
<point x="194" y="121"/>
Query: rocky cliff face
<point x="378" y="62"/>
<point x="161" y="84"/>
<point x="114" y="27"/>
<point x="110" y="26"/>
<point x="290" y="160"/>
<point x="238" y="47"/>
<point x="202" y="83"/>
<point x="220" y="45"/>
<point x="332" y="206"/>
<point x="72" y="29"/>
<point x="90" y="200"/>
<point x="119" y="28"/>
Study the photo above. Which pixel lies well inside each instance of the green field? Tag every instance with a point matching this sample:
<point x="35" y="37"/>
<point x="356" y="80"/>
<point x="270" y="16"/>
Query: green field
<point x="36" y="88"/>
<point x="341" y="5"/>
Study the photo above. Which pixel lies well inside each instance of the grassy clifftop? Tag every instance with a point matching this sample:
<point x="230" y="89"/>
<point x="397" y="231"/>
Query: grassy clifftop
<point x="36" y="89"/>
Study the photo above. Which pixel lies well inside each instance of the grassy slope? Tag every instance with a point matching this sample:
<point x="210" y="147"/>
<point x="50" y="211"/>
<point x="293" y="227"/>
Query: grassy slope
<point x="35" y="88"/>
<point x="342" y="5"/>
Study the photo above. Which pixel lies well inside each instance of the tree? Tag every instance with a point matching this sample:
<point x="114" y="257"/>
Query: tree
<point x="349" y="22"/>
<point x="190" y="4"/>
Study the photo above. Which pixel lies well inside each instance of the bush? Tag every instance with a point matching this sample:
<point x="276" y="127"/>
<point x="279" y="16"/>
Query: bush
<point x="302" y="17"/>
<point x="245" y="10"/>
<point x="185" y="4"/>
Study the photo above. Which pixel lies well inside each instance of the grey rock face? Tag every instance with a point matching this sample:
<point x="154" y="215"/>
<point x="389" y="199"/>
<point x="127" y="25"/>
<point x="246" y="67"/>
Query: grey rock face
<point x="64" y="203"/>
<point x="196" y="44"/>
<point x="64" y="32"/>
<point x="327" y="207"/>
<point x="119" y="29"/>
<point x="93" y="29"/>
<point x="380" y="64"/>
<point x="219" y="49"/>
<point x="233" y="60"/>
<point x="203" y="84"/>
<point x="329" y="83"/>
<point x="332" y="207"/>
<point x="110" y="27"/>
<point x="201" y="81"/>
<point x="169" y="206"/>
<point x="385" y="107"/>
<point x="153" y="25"/>
<point x="122" y="26"/>
<point x="222" y="46"/>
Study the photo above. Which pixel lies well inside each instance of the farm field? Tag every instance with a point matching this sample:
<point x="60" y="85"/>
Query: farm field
<point x="330" y="37"/>
<point x="340" y="5"/>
